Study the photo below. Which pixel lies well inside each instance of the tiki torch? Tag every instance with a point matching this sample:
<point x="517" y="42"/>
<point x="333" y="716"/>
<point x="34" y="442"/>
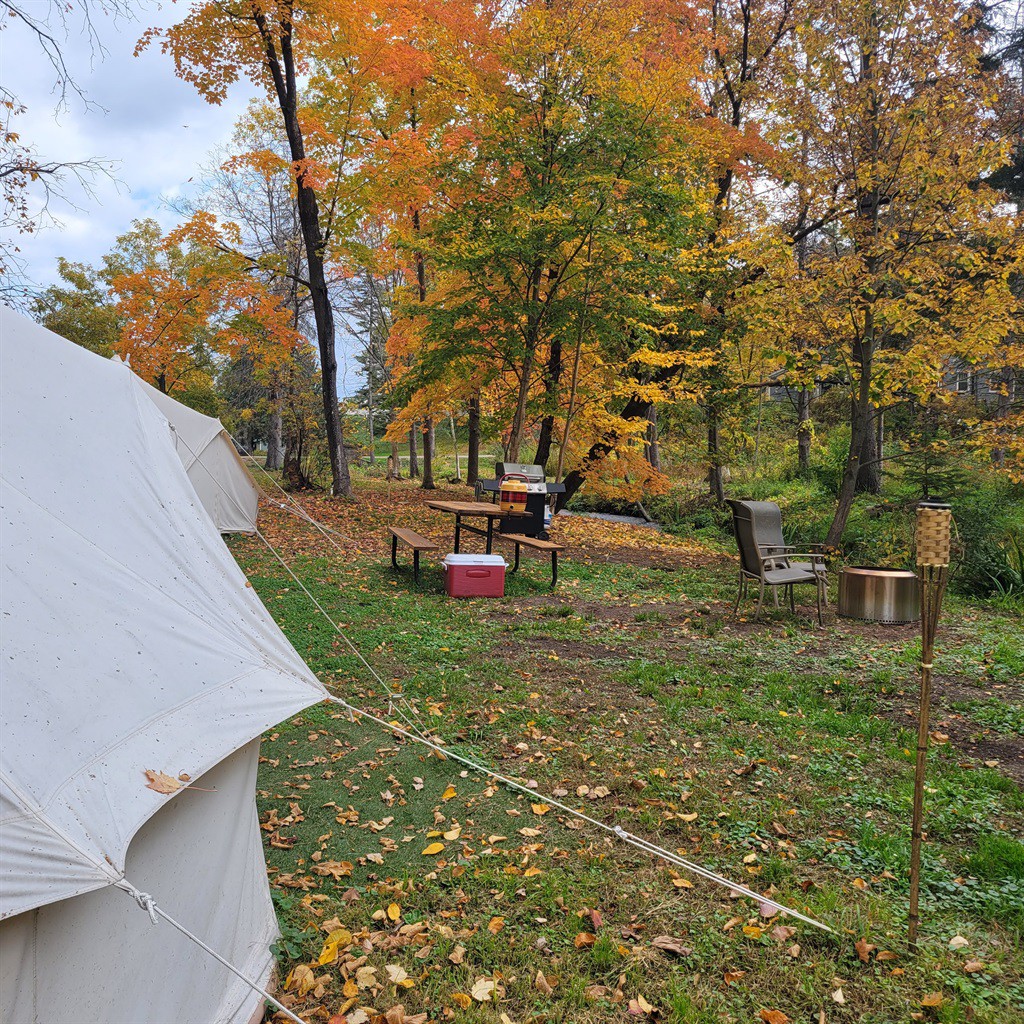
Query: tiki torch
<point x="933" y="529"/>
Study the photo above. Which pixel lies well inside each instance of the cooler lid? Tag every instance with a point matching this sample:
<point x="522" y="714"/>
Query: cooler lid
<point x="468" y="558"/>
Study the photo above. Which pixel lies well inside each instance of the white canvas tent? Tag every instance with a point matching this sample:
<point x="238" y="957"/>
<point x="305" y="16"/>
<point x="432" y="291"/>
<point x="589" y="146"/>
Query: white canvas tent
<point x="130" y="641"/>
<point x="206" y="451"/>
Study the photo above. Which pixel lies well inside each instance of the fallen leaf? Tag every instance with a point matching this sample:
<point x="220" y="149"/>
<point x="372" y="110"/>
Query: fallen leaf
<point x="584" y="940"/>
<point x="543" y="984"/>
<point x="394" y="911"/>
<point x="731" y="977"/>
<point x="682" y="883"/>
<point x="483" y="990"/>
<point x="432" y="849"/>
<point x="838" y="997"/>
<point x="774" y="1017"/>
<point x="396" y="974"/>
<point x="496" y="924"/>
<point x="973" y="966"/>
<point x="932" y="999"/>
<point x="338" y="938"/>
<point x="449" y="793"/>
<point x="864" y="949"/>
<point x="782" y="933"/>
<point x="301" y="978"/>
<point x="161" y="782"/>
<point x="457" y="955"/>
<point x="752" y="931"/>
<point x="958" y="942"/>
<point x="671" y="945"/>
<point x="886" y="954"/>
<point x="540" y="808"/>
<point x="462" y="1000"/>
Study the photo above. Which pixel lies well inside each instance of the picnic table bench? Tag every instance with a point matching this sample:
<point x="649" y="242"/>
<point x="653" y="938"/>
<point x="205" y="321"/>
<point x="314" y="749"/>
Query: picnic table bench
<point x="522" y="541"/>
<point x="411" y="539"/>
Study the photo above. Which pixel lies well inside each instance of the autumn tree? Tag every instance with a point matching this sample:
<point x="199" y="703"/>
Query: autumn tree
<point x="920" y="257"/>
<point x="274" y="43"/>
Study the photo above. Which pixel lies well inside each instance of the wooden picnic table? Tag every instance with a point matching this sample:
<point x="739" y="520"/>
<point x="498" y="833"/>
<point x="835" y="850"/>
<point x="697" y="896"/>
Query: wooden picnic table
<point x="470" y="510"/>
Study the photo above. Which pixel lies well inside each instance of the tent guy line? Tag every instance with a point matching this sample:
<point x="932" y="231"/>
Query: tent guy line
<point x="616" y="830"/>
<point x="149" y="905"/>
<point x="418" y="737"/>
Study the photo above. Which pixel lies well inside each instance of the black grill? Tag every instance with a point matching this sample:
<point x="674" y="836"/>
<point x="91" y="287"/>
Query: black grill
<point x="538" y="490"/>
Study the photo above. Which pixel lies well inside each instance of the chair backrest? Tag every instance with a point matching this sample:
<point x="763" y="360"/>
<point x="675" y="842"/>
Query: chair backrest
<point x="767" y="518"/>
<point x="746" y="538"/>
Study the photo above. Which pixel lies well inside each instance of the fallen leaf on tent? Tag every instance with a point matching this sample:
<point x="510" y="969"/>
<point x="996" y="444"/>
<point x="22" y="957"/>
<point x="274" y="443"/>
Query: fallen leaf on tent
<point x="495" y="925"/>
<point x="584" y="940"/>
<point x="838" y="997"/>
<point x="973" y="966"/>
<point x="544" y="985"/>
<point x="774" y="1017"/>
<point x="670" y="945"/>
<point x="540" y="808"/>
<point x="448" y="793"/>
<point x="184" y="777"/>
<point x="161" y="782"/>
<point x="864" y="949"/>
<point x="958" y="942"/>
<point x="483" y="990"/>
<point x="932" y="999"/>
<point x="394" y="911"/>
<point x="432" y="849"/>
<point x="731" y="977"/>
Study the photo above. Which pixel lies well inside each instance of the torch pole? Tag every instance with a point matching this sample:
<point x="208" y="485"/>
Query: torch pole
<point x="933" y="534"/>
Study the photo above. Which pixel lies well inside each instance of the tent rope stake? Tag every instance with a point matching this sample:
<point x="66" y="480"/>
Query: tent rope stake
<point x="149" y="905"/>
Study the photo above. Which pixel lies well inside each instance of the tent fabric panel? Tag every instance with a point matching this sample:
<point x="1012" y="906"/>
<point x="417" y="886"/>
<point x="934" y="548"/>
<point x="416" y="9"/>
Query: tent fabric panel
<point x="224" y="487"/>
<point x="131" y="638"/>
<point x="98" y="957"/>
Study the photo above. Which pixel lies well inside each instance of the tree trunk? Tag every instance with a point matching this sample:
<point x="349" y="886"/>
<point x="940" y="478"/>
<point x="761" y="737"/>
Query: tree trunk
<point x="455" y="448"/>
<point x="369" y="420"/>
<point x="473" y="456"/>
<point x="275" y="453"/>
<point x="428" y="454"/>
<point x="869" y="474"/>
<point x="281" y="64"/>
<point x="396" y="463"/>
<point x="716" y="485"/>
<point x="552" y="378"/>
<point x="635" y="409"/>
<point x="652" y="450"/>
<point x="1004" y="403"/>
<point x="515" y="437"/>
<point x="414" y="461"/>
<point x="860" y="426"/>
<point x="803" y="430"/>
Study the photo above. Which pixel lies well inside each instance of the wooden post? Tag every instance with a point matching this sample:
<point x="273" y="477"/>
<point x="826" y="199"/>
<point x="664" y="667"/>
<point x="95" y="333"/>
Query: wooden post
<point x="933" y="526"/>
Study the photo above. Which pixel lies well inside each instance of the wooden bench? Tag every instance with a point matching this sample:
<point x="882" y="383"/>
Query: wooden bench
<point x="413" y="540"/>
<point x="536" y="544"/>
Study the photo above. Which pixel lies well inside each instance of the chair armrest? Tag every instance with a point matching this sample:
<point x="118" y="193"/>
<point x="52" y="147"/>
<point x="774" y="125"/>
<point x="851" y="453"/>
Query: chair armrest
<point x="793" y="554"/>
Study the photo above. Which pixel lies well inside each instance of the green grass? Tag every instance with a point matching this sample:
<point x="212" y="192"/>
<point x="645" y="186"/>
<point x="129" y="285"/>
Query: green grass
<point x="775" y="737"/>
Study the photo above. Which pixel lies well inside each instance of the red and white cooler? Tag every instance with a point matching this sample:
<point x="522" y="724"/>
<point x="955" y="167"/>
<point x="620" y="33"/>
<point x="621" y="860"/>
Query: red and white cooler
<point x="469" y="575"/>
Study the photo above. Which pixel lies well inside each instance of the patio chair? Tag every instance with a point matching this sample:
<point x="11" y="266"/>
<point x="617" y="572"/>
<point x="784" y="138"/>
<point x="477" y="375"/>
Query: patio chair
<point x="766" y="559"/>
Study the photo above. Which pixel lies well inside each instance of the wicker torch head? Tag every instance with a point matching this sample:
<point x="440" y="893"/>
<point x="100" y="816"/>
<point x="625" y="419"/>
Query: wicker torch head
<point x="933" y="530"/>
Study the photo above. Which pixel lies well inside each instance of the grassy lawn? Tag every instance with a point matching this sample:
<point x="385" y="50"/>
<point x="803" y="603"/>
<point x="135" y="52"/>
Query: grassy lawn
<point x="778" y="754"/>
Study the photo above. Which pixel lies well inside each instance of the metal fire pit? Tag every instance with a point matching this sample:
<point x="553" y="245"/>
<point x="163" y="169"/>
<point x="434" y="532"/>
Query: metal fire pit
<point x="890" y="596"/>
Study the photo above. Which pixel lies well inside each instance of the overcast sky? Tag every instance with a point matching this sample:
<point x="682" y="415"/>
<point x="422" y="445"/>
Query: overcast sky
<point x="154" y="129"/>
